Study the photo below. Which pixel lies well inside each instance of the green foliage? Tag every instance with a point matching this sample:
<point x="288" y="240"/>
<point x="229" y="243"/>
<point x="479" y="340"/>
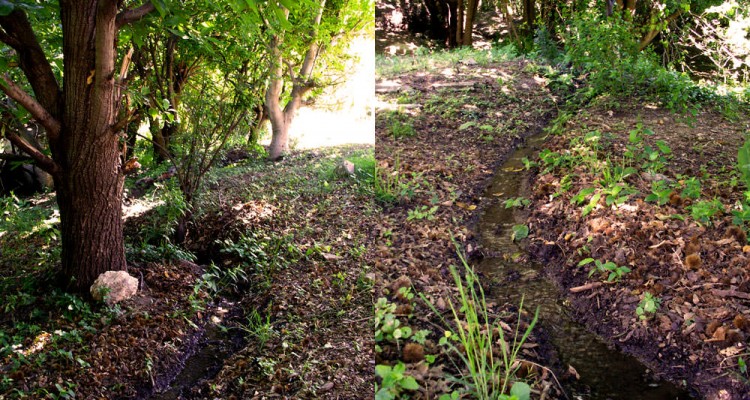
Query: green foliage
<point x="660" y="193"/>
<point x="519" y="232"/>
<point x="424" y="59"/>
<point x="704" y="211"/>
<point x="692" y="189"/>
<point x="399" y="126"/>
<point x="422" y="212"/>
<point x="478" y="332"/>
<point x="648" y="306"/>
<point x="393" y="381"/>
<point x="743" y="162"/>
<point x="613" y="271"/>
<point x="259" y="328"/>
<point x="518" y="202"/>
<point x="388" y="327"/>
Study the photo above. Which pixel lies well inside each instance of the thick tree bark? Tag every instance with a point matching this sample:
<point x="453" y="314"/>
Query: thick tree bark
<point x="89" y="187"/>
<point x="80" y="122"/>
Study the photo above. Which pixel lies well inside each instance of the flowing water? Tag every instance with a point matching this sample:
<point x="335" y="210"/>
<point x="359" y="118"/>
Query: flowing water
<point x="604" y="372"/>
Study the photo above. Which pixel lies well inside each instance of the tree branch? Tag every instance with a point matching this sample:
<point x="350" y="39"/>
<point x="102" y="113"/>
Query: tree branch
<point x="14" y="157"/>
<point x="46" y="163"/>
<point x="15" y="92"/>
<point x="133" y="15"/>
<point x="7" y="39"/>
<point x="19" y="35"/>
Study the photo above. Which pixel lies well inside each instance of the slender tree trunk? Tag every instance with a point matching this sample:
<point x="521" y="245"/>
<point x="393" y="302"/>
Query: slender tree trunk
<point x="460" y="24"/>
<point x="471" y="12"/>
<point x="302" y="83"/>
<point x="89" y="186"/>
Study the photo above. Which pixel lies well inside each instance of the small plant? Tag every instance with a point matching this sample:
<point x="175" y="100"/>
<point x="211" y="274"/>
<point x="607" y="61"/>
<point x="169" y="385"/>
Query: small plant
<point x="703" y="211"/>
<point x="478" y="332"/>
<point x="387" y="325"/>
<point x="518" y="202"/>
<point x="692" y="188"/>
<point x="259" y="328"/>
<point x="393" y="381"/>
<point x="519" y="232"/>
<point x="422" y="212"/>
<point x="615" y="272"/>
<point x="398" y="125"/>
<point x="581" y="197"/>
<point x="648" y="306"/>
<point x="660" y="193"/>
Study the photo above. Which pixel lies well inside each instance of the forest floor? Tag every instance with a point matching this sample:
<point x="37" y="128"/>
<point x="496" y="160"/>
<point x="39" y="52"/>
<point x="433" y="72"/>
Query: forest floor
<point x="281" y="288"/>
<point x="634" y="209"/>
<point x="442" y="128"/>
<point x="652" y="196"/>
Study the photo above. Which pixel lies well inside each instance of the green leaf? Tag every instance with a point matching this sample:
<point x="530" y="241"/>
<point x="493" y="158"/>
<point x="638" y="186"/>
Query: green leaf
<point x="384" y="394"/>
<point x="6" y="8"/>
<point x="467" y="125"/>
<point x="383" y="370"/>
<point x="409" y="383"/>
<point x="585" y="261"/>
<point x="521" y="390"/>
<point x="519" y="232"/>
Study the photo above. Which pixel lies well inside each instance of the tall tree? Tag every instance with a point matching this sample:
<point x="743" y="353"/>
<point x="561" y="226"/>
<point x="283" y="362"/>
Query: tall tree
<point x="81" y="122"/>
<point x="303" y="36"/>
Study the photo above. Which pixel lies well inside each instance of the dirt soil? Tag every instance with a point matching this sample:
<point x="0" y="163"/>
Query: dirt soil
<point x="682" y="247"/>
<point x="440" y="135"/>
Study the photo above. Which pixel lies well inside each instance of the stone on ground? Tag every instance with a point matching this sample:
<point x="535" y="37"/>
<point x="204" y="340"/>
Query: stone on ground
<point x="114" y="287"/>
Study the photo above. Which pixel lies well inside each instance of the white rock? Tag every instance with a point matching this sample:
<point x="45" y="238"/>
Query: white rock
<point x="115" y="286"/>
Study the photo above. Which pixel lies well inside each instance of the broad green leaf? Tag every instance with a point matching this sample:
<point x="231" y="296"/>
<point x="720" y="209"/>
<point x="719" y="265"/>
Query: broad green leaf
<point x="519" y="232"/>
<point x="521" y="390"/>
<point x="409" y="383"/>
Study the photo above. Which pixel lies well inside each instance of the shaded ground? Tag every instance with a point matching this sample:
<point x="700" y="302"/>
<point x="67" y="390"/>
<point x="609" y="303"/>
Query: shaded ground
<point x="668" y="220"/>
<point x="441" y="130"/>
<point x="279" y="241"/>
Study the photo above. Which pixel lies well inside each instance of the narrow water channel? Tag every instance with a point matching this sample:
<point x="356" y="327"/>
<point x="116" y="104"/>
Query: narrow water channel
<point x="605" y="373"/>
<point x="203" y="362"/>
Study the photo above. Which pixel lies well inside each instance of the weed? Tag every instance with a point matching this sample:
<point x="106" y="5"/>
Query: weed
<point x="692" y="189"/>
<point x="703" y="211"/>
<point x="648" y="306"/>
<point x="422" y="212"/>
<point x="615" y="272"/>
<point x="387" y="325"/>
<point x="393" y="381"/>
<point x="518" y="202"/>
<point x="660" y="193"/>
<point x="258" y="328"/>
<point x="476" y="331"/>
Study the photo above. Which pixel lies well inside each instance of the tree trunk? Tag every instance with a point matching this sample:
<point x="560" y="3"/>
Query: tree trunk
<point x="529" y="15"/>
<point x="82" y="129"/>
<point x="89" y="185"/>
<point x="280" y="139"/>
<point x="471" y="11"/>
<point x="460" y="24"/>
<point x="452" y="23"/>
<point x="302" y="83"/>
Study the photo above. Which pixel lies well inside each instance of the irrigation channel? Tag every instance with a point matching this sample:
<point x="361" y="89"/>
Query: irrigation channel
<point x="205" y="357"/>
<point x="605" y="373"/>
